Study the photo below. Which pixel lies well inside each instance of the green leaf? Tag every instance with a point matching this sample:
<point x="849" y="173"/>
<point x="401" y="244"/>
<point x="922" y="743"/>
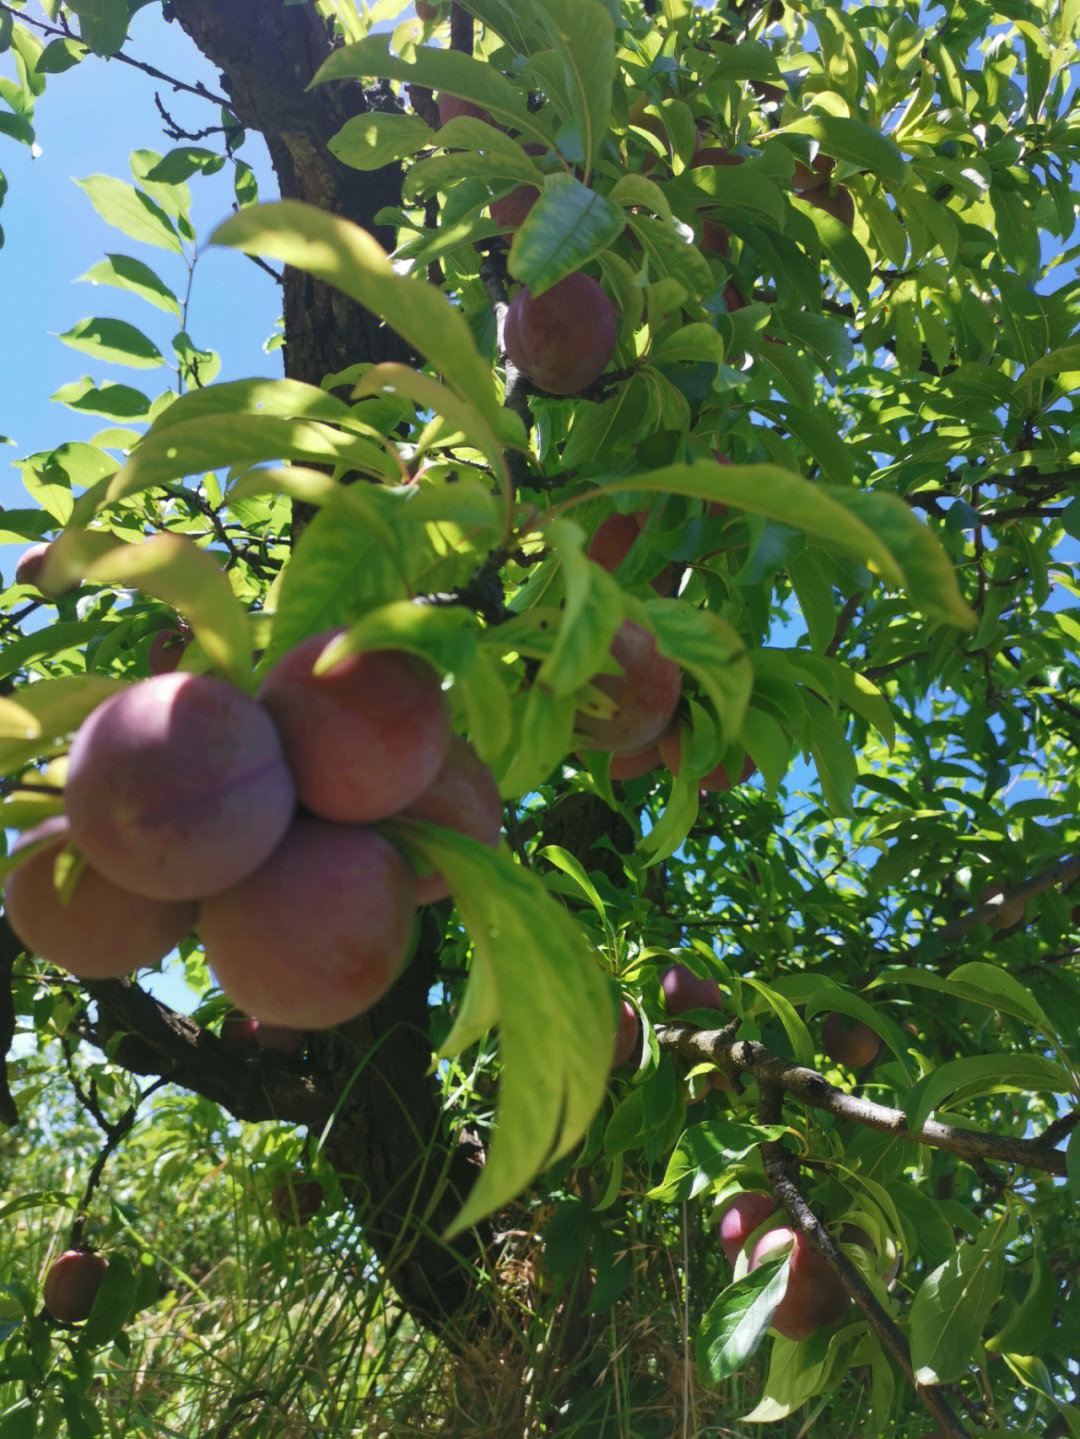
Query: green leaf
<point x="115" y="341"/>
<point x="113" y="1302"/>
<point x="985" y="1074"/>
<point x="375" y="139"/>
<point x="445" y="636"/>
<point x="568" y="225"/>
<point x="171" y="568"/>
<point x="347" y="257"/>
<point x="951" y="1307"/>
<point x="978" y="983"/>
<point x="125" y="273"/>
<point x="168" y="452"/>
<point x="708" y="648"/>
<point x="793" y="1378"/>
<point x="183" y="162"/>
<point x="539" y="976"/>
<point x="582" y="35"/>
<point x="119" y="402"/>
<point x="738" y="1319"/>
<point x="852" y="140"/>
<point x="704" y="1153"/>
<point x="102" y="24"/>
<point x="445" y="71"/>
<point x="131" y="211"/>
<point x="428" y="394"/>
<point x="58" y="706"/>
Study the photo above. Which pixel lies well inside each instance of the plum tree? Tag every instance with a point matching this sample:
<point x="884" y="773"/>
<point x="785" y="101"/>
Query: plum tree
<point x="462" y="796"/>
<point x="99" y="931"/>
<point x="364" y="738"/>
<point x="563" y="339"/>
<point x="319" y="933"/>
<point x="627" y="1035"/>
<point x="644" y="695"/>
<point x="72" y="1283"/>
<point x="177" y="786"/>
<point x="670" y="746"/>
<point x="739" y="1219"/>
<point x="848" y="1041"/>
<point x="684" y="990"/>
<point x="815" y="1297"/>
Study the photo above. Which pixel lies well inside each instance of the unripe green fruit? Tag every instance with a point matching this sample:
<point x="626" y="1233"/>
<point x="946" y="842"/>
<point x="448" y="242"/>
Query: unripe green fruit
<point x="101" y="931"/>
<point x="72" y="1283"/>
<point x="177" y="787"/>
<point x="562" y="340"/>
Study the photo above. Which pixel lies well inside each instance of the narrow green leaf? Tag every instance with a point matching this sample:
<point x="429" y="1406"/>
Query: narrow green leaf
<point x="738" y="1319"/>
<point x="951" y="1307"/>
<point x="347" y="257"/>
<point x="985" y="1074"/>
<point x="131" y="211"/>
<point x="115" y="341"/>
<point x="540" y="976"/>
<point x="567" y="227"/>
<point x="126" y="273"/>
<point x="102" y="24"/>
<point x="583" y="36"/>
<point x="704" y="1153"/>
<point x="375" y="139"/>
<point x="852" y="140"/>
<point x="59" y="706"/>
<point x="171" y="568"/>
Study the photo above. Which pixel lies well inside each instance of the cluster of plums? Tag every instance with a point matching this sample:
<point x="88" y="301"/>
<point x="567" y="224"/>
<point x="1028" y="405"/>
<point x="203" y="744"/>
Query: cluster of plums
<point x="815" y="1297"/>
<point x="190" y="804"/>
<point x="643" y="733"/>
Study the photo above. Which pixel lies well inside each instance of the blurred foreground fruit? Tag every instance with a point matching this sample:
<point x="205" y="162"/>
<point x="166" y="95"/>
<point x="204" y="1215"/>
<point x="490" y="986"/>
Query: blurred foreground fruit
<point x="365" y="738"/>
<point x="563" y="339"/>
<point x="644" y="695"/>
<point x="72" y="1283"/>
<point x="100" y="931"/>
<point x="319" y="933"/>
<point x="815" y="1297"/>
<point x="177" y="787"/>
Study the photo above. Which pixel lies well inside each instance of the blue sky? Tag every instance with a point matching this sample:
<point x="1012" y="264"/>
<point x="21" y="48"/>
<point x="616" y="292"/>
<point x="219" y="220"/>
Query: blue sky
<point x="88" y="121"/>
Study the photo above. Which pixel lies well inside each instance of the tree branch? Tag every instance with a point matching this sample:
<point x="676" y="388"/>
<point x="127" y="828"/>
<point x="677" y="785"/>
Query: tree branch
<point x="747" y="1056"/>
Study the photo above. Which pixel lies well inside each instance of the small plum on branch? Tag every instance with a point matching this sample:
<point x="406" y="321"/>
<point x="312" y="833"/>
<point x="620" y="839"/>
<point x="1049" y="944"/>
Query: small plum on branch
<point x="563" y="339"/>
<point x="745" y="1213"/>
<point x="684" y="990"/>
<point x="848" y="1041"/>
<point x="72" y="1283"/>
<point x="815" y="1297"/>
<point x="462" y="796"/>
